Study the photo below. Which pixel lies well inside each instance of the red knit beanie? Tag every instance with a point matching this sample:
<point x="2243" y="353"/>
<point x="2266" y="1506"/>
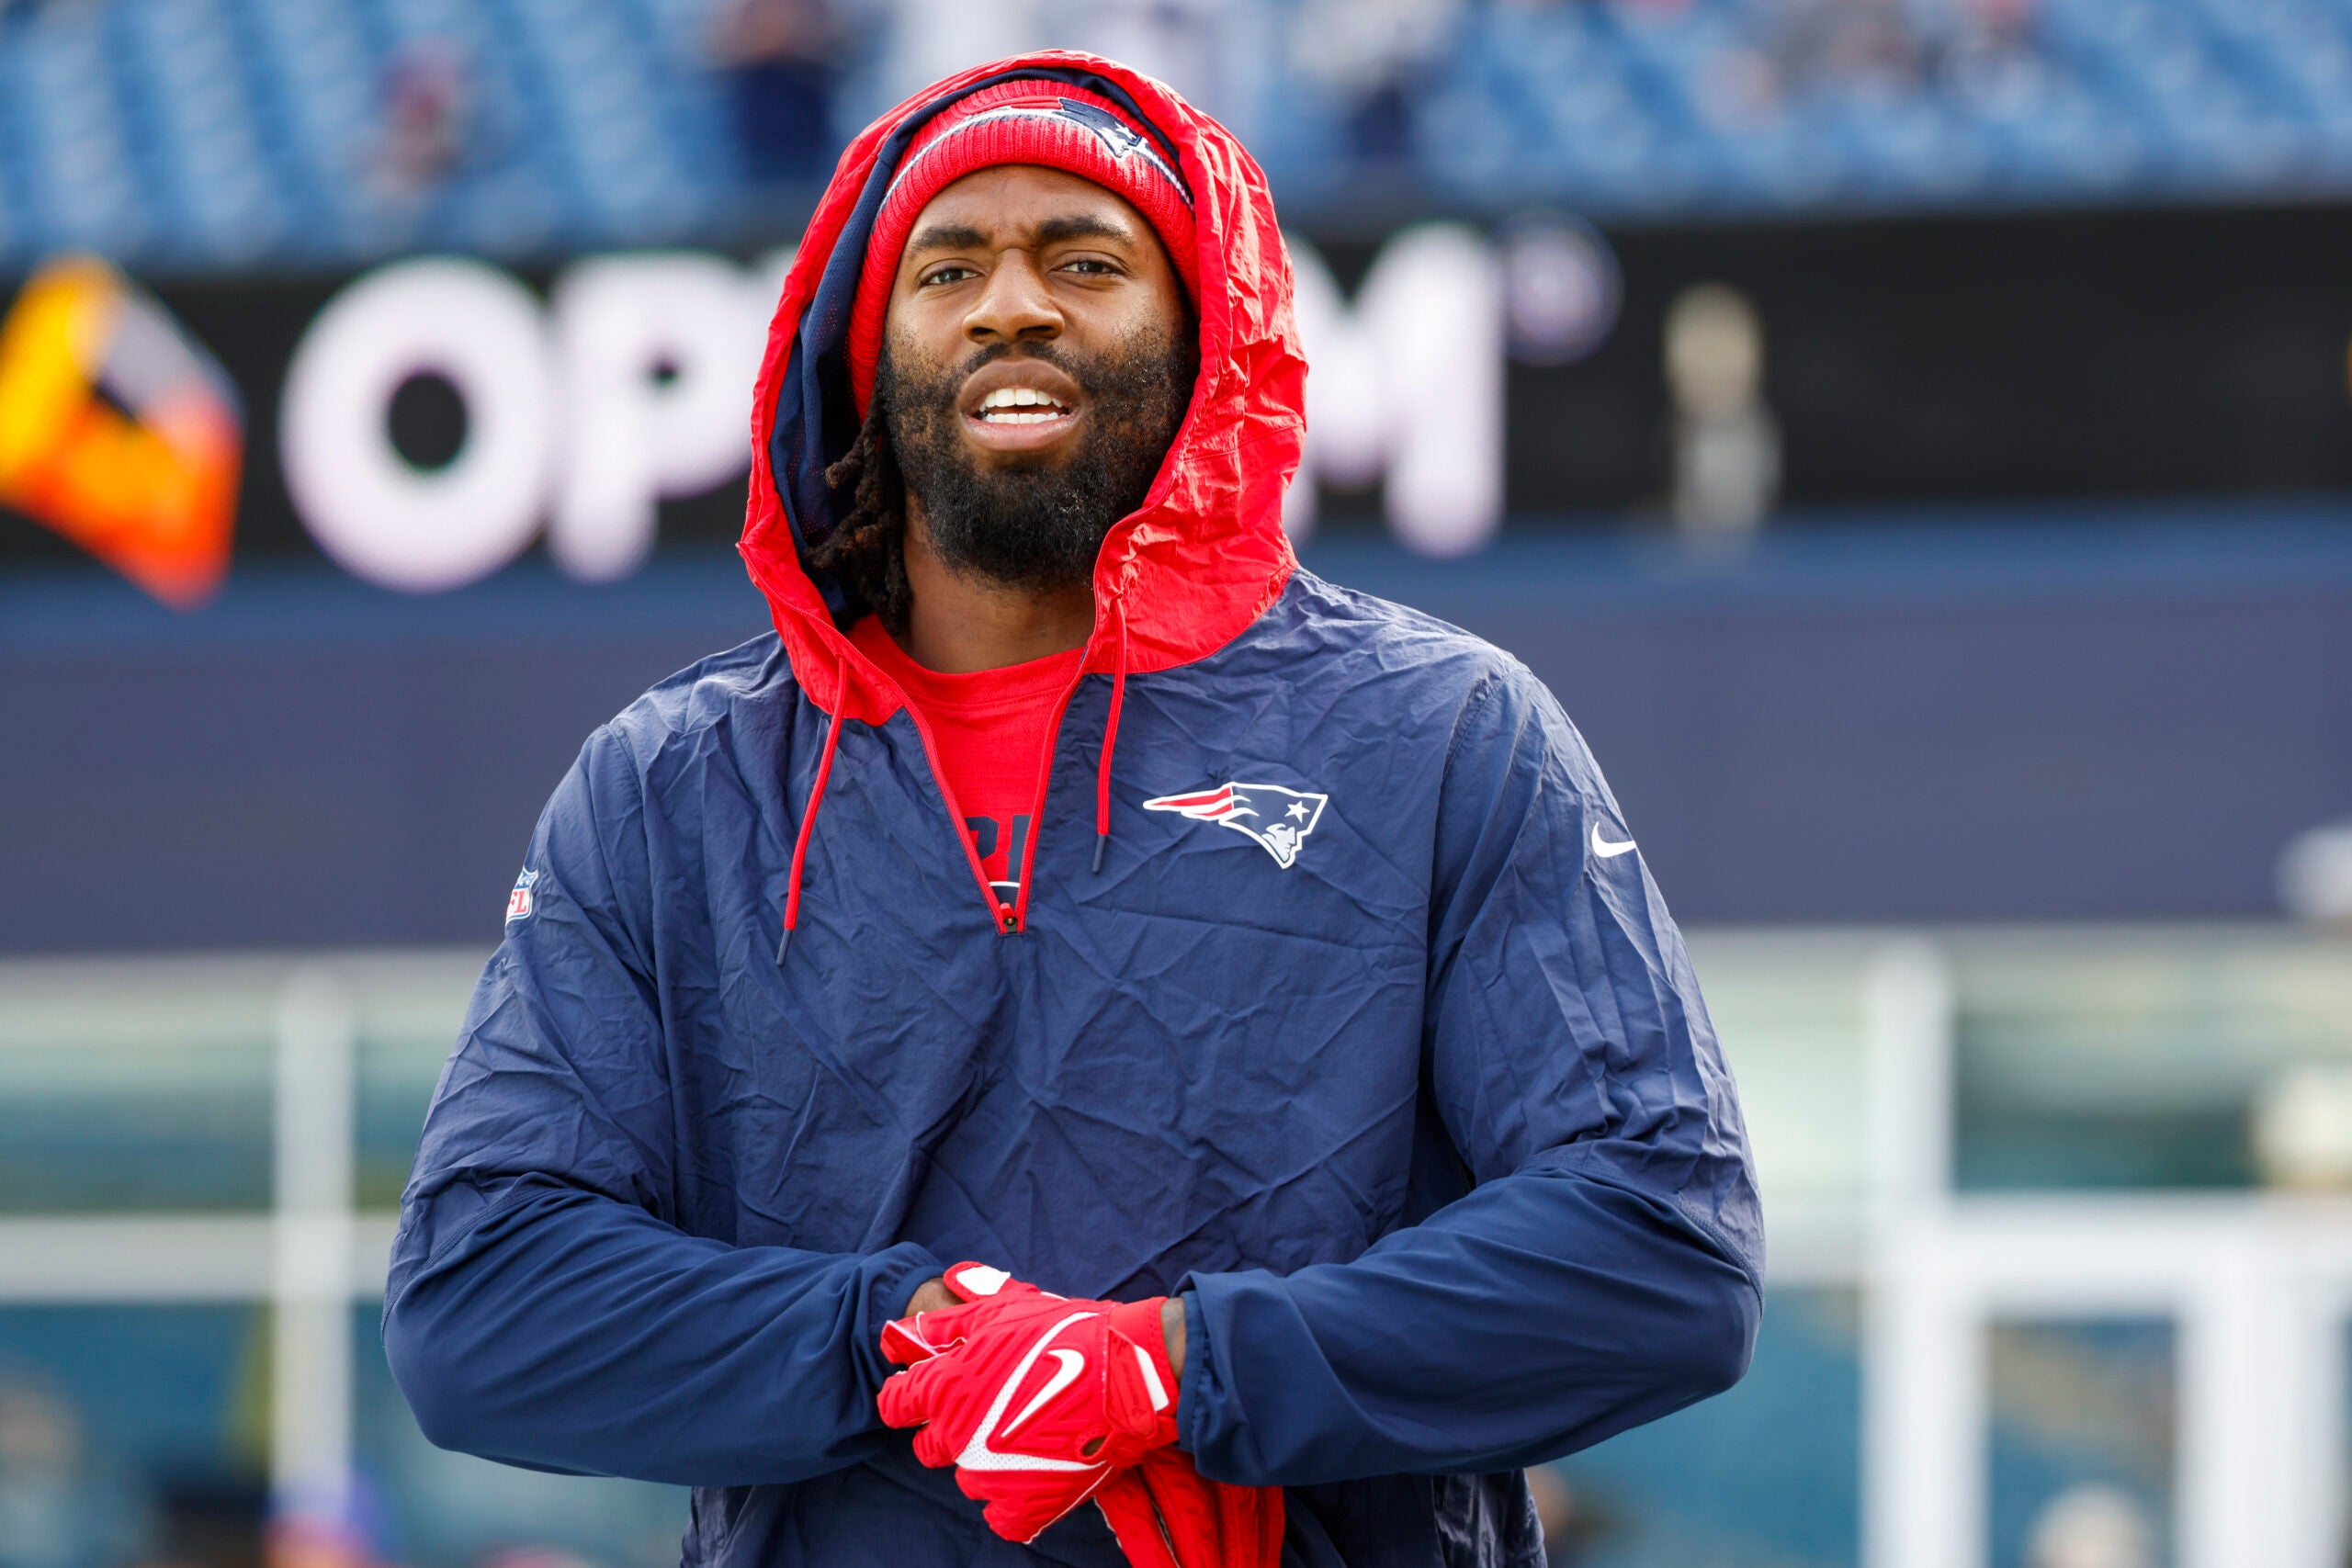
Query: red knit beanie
<point x="1015" y="122"/>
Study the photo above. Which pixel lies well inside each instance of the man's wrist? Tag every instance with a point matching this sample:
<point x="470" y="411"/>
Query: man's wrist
<point x="1172" y="1330"/>
<point x="932" y="1295"/>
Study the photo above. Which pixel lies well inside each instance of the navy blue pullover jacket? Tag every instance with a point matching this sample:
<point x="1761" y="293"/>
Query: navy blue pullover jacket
<point x="1335" y="998"/>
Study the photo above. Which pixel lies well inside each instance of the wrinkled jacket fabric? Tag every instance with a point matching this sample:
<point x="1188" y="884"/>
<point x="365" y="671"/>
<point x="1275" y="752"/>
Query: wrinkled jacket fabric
<point x="1428" y="1125"/>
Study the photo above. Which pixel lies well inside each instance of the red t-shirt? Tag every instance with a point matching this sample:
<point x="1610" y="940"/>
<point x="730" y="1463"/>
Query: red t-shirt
<point x="988" y="731"/>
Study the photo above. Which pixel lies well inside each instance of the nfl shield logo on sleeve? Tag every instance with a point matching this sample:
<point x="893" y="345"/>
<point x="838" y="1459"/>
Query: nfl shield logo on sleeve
<point x="518" y="903"/>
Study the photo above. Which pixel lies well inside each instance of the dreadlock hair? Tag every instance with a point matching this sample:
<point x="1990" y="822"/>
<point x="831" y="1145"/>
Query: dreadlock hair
<point x="866" y="548"/>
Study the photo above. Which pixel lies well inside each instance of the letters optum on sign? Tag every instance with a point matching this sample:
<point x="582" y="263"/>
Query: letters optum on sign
<point x="630" y="385"/>
<point x="581" y="415"/>
<point x="626" y="385"/>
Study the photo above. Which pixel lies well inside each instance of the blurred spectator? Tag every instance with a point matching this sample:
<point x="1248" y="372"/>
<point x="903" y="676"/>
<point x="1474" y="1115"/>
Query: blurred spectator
<point x="426" y="110"/>
<point x="1175" y="40"/>
<point x="329" y="1522"/>
<point x="931" y="38"/>
<point x="534" y="1557"/>
<point x="2091" y="1527"/>
<point x="1997" y="28"/>
<point x="2316" y="876"/>
<point x="2002" y="26"/>
<point x="2302" y="1128"/>
<point x="1726" y="444"/>
<point x="1876" y="47"/>
<point x="311" y="1541"/>
<point x="1845" y="43"/>
<point x="1379" y="58"/>
<point x="1979" y="45"/>
<point x="56" y="1510"/>
<point x="1570" y="1525"/>
<point x="780" y="59"/>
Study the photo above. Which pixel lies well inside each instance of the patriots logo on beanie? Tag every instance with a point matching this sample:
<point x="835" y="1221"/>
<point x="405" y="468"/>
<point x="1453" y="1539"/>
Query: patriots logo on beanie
<point x="1120" y="137"/>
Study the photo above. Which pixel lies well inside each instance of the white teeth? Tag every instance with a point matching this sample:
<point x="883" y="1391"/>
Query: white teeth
<point x="1014" y="396"/>
<point x="1019" y="405"/>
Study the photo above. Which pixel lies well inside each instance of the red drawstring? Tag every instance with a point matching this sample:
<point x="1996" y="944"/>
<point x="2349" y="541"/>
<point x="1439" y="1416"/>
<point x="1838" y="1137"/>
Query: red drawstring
<point x="816" y="796"/>
<point x="832" y="744"/>
<point x="1110" y="738"/>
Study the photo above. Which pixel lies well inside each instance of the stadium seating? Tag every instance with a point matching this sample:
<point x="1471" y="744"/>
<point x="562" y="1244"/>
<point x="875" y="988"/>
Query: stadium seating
<point x="220" y="134"/>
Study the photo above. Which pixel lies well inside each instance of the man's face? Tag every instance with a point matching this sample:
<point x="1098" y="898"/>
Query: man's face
<point x="1037" y="358"/>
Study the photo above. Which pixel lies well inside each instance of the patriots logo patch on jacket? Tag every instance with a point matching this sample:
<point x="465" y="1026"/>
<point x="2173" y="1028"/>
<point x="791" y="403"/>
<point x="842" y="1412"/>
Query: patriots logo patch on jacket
<point x="1276" y="817"/>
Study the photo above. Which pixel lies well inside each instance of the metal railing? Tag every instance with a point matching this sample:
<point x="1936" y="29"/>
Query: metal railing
<point x="1839" y="1036"/>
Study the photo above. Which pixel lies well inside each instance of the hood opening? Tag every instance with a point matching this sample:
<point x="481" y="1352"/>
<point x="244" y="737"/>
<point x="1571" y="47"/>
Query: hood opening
<point x="816" y="417"/>
<point x="1188" y="571"/>
<point x="1203" y="554"/>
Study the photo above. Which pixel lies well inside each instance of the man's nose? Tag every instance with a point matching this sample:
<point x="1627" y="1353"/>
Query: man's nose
<point x="1015" y="304"/>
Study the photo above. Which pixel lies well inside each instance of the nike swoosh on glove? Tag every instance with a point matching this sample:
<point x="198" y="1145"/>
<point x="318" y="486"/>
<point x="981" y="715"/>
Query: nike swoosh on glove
<point x="1168" y="1515"/>
<point x="1037" y="1399"/>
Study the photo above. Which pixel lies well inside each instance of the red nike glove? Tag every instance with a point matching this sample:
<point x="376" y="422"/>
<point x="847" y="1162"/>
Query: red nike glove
<point x="1036" y="1400"/>
<point x="984" y="1296"/>
<point x="1167" y="1515"/>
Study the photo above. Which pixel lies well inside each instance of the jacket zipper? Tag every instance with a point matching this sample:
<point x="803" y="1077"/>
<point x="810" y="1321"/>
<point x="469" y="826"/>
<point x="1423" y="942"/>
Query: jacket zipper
<point x="1017" y="918"/>
<point x="1009" y="921"/>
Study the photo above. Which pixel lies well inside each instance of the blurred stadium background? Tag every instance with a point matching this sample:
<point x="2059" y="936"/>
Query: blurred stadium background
<point x="1911" y="436"/>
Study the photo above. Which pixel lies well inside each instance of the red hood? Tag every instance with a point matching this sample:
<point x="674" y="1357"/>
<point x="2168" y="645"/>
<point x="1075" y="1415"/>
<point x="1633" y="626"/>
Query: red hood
<point x="1203" y="555"/>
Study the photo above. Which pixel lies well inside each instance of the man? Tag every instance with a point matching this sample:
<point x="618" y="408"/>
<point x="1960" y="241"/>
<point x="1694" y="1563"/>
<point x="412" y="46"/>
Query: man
<point x="1076" y="887"/>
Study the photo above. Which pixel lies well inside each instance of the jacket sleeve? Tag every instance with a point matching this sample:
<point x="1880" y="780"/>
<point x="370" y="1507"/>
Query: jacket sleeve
<point x="1603" y="1268"/>
<point x="544" y="1306"/>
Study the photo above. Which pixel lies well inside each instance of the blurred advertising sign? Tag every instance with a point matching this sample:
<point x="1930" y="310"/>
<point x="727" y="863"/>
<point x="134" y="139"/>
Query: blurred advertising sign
<point x="629" y="386"/>
<point x="600" y="408"/>
<point x="581" y="415"/>
<point x="118" y="429"/>
<point x="428" y="420"/>
<point x="1406" y="384"/>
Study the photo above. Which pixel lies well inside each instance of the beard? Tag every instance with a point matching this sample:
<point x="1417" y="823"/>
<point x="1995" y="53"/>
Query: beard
<point x="1038" y="522"/>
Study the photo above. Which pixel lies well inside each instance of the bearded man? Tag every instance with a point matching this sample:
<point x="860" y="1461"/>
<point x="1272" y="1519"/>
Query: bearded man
<point x="1253" y="983"/>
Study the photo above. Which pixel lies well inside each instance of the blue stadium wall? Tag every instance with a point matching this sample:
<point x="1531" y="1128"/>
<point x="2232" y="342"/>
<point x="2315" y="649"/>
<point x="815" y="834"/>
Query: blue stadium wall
<point x="2028" y="718"/>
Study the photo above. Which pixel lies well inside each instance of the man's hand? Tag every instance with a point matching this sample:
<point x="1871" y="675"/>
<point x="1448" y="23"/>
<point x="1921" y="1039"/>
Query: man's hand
<point x="944" y="1312"/>
<point x="1037" y="1399"/>
<point x="933" y="1295"/>
<point x="1173" y="1331"/>
<point x="1163" y="1512"/>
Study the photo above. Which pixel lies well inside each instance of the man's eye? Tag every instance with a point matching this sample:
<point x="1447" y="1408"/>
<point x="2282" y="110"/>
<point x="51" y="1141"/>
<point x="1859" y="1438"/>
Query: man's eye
<point x="1089" y="264"/>
<point x="949" y="274"/>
